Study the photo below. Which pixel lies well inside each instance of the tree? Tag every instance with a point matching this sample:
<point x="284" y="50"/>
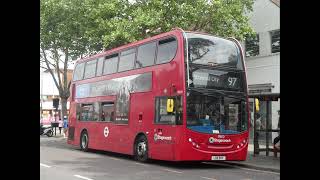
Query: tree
<point x="72" y="29"/>
<point x="62" y="40"/>
<point x="139" y="19"/>
<point x="67" y="33"/>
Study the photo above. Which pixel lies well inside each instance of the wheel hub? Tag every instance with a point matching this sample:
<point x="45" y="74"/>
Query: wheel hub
<point x="141" y="148"/>
<point x="84" y="141"/>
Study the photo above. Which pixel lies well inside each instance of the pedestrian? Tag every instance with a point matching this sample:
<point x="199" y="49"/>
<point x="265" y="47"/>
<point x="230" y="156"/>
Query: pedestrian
<point x="60" y="125"/>
<point x="276" y="141"/>
<point x="256" y="134"/>
<point x="276" y="145"/>
<point x="65" y="126"/>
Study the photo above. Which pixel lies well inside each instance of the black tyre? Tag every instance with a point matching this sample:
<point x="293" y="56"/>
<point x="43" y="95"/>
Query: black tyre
<point x="50" y="133"/>
<point x="141" y="150"/>
<point x="84" y="141"/>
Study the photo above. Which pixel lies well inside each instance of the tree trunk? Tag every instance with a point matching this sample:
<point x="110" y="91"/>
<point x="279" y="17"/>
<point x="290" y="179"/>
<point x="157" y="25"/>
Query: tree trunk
<point x="64" y="106"/>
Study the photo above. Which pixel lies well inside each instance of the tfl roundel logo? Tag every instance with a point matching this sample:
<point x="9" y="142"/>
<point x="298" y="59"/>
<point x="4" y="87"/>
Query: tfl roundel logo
<point x="106" y="131"/>
<point x="211" y="140"/>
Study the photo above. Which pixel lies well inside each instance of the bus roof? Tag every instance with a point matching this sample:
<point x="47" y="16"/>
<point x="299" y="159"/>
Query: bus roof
<point x="135" y="43"/>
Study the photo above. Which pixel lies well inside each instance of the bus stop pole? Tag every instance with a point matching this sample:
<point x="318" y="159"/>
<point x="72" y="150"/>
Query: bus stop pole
<point x="254" y="128"/>
<point x="267" y="128"/>
<point x="55" y="120"/>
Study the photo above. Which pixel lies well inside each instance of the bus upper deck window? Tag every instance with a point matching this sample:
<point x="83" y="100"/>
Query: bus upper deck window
<point x="166" y="50"/>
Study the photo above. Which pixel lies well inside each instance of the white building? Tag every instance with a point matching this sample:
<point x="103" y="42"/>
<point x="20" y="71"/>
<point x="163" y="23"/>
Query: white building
<point x="48" y="91"/>
<point x="263" y="53"/>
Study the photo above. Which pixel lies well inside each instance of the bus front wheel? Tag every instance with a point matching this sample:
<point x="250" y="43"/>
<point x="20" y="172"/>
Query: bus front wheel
<point x="141" y="149"/>
<point x="84" y="141"/>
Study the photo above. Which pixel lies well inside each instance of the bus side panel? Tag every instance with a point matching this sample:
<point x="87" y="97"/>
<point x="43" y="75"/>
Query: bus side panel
<point x="105" y="136"/>
<point x="124" y="138"/>
<point x="141" y="116"/>
<point x="121" y="136"/>
<point x="168" y="81"/>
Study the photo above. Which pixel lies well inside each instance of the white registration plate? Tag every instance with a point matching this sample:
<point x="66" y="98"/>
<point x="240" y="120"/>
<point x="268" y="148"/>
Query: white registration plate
<point x="221" y="158"/>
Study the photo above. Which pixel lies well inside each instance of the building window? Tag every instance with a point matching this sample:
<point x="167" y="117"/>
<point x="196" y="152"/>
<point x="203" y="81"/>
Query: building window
<point x="146" y="55"/>
<point x="107" y="111"/>
<point x="127" y="60"/>
<point x="252" y="45"/>
<point x="90" y="70"/>
<point x="164" y="117"/>
<point x="166" y="50"/>
<point x="275" y="41"/>
<point x="78" y="72"/>
<point x="110" y="64"/>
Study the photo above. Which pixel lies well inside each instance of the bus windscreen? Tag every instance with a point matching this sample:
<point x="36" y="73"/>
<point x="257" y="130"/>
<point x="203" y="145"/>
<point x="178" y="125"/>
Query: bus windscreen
<point x="213" y="51"/>
<point x="216" y="114"/>
<point x="216" y="96"/>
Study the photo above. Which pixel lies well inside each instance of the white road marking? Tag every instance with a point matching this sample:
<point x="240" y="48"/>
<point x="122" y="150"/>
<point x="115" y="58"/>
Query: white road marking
<point x="207" y="178"/>
<point x="229" y="165"/>
<point x="82" y="177"/>
<point x="115" y="159"/>
<point x="141" y="164"/>
<point x="44" y="165"/>
<point x="172" y="171"/>
<point x="259" y="170"/>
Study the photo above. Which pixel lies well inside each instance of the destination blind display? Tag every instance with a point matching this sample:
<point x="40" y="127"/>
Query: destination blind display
<point x="205" y="78"/>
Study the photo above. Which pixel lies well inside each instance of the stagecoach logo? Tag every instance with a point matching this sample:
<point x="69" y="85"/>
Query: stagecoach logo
<point x="212" y="140"/>
<point x="106" y="131"/>
<point x="158" y="137"/>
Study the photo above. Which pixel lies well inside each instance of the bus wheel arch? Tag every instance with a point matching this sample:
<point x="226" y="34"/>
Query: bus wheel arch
<point x="84" y="140"/>
<point x="141" y="147"/>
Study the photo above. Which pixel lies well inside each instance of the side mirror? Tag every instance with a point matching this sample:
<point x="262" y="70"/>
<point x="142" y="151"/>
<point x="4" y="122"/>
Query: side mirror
<point x="170" y="105"/>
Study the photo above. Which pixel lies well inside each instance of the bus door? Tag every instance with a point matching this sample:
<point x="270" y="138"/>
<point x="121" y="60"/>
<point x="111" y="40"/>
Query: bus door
<point x="167" y="120"/>
<point x="105" y="131"/>
<point x="122" y="131"/>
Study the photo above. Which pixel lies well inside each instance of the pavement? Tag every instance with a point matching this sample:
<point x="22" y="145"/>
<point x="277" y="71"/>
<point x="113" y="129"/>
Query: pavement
<point x="259" y="162"/>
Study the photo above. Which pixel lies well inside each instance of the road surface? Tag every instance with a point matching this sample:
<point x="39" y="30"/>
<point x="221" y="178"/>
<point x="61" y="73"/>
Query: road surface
<point x="60" y="161"/>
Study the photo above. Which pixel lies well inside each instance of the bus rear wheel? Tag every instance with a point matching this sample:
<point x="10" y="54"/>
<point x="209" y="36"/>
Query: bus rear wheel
<point x="84" y="141"/>
<point x="141" y="149"/>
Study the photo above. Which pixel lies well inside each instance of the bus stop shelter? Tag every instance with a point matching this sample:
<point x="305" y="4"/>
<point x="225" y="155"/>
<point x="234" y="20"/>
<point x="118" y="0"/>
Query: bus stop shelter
<point x="261" y="133"/>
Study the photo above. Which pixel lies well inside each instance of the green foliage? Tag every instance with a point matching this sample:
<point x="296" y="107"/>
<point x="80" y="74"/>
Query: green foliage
<point x="121" y="22"/>
<point x="62" y="26"/>
<point x="70" y="29"/>
<point x="89" y="25"/>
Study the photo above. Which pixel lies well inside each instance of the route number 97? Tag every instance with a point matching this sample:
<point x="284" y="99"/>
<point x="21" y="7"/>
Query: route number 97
<point x="232" y="81"/>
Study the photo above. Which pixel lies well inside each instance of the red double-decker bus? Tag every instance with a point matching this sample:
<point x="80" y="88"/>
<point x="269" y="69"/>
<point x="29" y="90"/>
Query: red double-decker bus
<point x="177" y="96"/>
